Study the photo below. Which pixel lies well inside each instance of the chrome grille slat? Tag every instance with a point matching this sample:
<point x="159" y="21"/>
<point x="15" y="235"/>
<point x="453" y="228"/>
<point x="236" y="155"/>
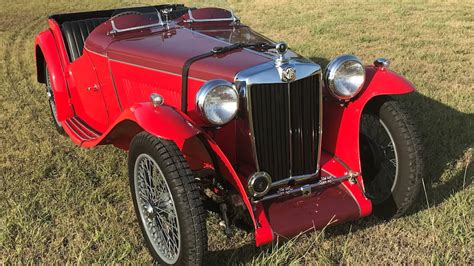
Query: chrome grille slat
<point x="286" y="127"/>
<point x="271" y="132"/>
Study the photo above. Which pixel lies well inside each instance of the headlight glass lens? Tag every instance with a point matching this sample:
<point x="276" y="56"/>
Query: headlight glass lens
<point x="218" y="102"/>
<point x="345" y="76"/>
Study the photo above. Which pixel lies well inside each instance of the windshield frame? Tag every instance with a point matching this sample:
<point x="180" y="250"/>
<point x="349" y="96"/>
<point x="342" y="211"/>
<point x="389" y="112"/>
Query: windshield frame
<point x="160" y="22"/>
<point x="192" y="19"/>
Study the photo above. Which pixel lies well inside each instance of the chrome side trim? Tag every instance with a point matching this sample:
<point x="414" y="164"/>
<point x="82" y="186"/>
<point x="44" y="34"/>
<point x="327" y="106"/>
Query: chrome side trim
<point x="269" y="73"/>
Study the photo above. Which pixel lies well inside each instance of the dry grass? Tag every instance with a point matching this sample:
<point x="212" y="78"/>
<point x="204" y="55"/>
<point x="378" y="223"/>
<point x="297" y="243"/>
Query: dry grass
<point x="60" y="203"/>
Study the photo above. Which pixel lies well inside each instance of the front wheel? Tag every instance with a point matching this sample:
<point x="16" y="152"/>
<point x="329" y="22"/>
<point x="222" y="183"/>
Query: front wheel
<point x="391" y="158"/>
<point x="167" y="201"/>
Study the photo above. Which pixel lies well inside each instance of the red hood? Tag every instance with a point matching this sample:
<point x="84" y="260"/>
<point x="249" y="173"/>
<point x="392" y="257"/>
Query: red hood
<point x="168" y="50"/>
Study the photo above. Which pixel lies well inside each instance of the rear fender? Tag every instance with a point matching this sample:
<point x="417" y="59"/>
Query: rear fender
<point x="47" y="53"/>
<point x="341" y="123"/>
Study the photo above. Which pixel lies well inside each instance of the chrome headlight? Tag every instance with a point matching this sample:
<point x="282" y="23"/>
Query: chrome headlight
<point x="345" y="76"/>
<point x="218" y="101"/>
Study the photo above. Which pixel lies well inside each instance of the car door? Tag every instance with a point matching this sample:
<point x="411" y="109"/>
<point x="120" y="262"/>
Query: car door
<point x="86" y="94"/>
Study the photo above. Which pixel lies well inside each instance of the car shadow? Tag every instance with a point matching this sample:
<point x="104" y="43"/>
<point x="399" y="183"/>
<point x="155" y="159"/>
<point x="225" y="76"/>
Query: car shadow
<point x="446" y="136"/>
<point x="240" y="255"/>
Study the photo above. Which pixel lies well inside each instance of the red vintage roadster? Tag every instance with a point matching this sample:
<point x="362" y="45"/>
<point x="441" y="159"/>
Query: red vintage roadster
<point x="216" y="116"/>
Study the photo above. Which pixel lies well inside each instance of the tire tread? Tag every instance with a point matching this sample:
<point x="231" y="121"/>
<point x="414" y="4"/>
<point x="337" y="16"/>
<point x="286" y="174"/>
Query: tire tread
<point x="182" y="182"/>
<point x="411" y="141"/>
<point x="415" y="153"/>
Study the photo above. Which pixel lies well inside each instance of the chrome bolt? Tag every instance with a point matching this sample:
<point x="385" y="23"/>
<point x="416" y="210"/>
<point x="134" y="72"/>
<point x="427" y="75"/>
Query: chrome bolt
<point x="157" y="99"/>
<point x="281" y="47"/>
<point x="381" y="63"/>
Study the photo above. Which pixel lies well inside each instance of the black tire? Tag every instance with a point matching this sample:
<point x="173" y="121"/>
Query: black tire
<point x="185" y="194"/>
<point x="51" y="102"/>
<point x="401" y="193"/>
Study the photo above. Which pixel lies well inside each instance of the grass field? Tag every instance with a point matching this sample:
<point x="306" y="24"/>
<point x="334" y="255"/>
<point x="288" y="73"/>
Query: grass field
<point x="60" y="203"/>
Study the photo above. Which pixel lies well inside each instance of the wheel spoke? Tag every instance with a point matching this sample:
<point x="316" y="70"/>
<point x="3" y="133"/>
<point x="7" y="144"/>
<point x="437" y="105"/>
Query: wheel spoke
<point x="393" y="162"/>
<point x="384" y="157"/>
<point x="161" y="211"/>
<point x="168" y="232"/>
<point x="143" y="196"/>
<point x="157" y="208"/>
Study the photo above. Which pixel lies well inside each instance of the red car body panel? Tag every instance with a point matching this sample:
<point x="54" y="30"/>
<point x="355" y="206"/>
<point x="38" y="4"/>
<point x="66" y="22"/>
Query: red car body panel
<point x="157" y="57"/>
<point x="319" y="209"/>
<point x="341" y="128"/>
<point x="50" y="52"/>
<point x="109" y="86"/>
<point x="58" y="37"/>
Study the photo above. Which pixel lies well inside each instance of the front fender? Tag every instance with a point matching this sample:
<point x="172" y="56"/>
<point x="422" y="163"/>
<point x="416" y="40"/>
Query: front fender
<point x="168" y="123"/>
<point x="341" y="124"/>
<point x="161" y="121"/>
<point x="382" y="82"/>
<point x="49" y="53"/>
<point x="263" y="231"/>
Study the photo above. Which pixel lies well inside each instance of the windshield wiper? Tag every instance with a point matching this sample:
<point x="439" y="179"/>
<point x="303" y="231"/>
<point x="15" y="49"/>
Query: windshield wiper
<point x="224" y="49"/>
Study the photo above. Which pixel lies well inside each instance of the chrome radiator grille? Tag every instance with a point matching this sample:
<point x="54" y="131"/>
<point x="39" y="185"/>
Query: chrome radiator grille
<point x="285" y="122"/>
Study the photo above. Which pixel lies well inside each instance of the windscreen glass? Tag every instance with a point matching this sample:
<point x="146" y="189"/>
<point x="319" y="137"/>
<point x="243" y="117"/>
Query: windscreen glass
<point x="125" y="19"/>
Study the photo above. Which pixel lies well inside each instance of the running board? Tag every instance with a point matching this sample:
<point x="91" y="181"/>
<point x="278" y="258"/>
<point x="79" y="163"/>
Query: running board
<point x="80" y="130"/>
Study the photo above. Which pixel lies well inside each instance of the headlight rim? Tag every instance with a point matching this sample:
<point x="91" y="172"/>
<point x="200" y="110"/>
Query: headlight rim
<point x="332" y="68"/>
<point x="206" y="89"/>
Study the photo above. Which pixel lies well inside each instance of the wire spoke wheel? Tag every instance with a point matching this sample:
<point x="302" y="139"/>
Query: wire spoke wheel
<point x="390" y="156"/>
<point x="157" y="208"/>
<point x="167" y="201"/>
<point x="378" y="141"/>
<point x="52" y="105"/>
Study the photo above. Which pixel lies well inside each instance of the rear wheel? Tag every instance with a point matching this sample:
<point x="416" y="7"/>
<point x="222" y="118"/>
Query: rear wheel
<point x="391" y="158"/>
<point x="52" y="103"/>
<point x="167" y="201"/>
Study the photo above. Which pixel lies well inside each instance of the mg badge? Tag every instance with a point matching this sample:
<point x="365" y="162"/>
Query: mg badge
<point x="288" y="74"/>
